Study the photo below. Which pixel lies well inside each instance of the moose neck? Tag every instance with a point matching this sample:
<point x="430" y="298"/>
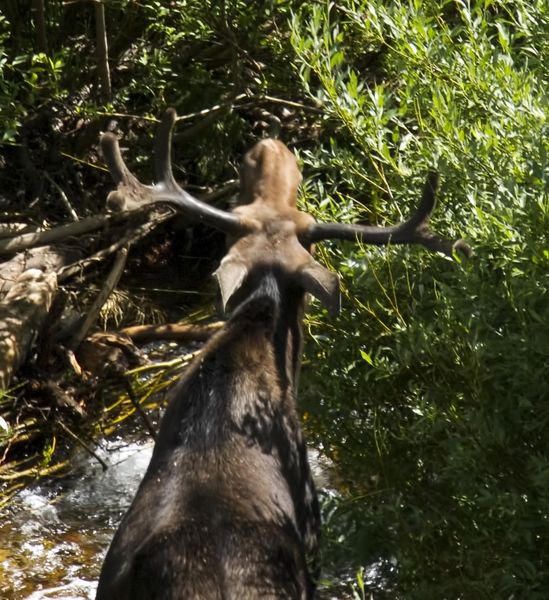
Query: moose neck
<point x="275" y="308"/>
<point x="288" y="336"/>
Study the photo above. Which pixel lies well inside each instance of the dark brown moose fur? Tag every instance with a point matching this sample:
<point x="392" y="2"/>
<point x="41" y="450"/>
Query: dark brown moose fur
<point x="228" y="509"/>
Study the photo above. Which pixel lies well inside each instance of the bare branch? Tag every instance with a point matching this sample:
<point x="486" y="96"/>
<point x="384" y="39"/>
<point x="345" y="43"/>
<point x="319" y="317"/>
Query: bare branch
<point x="109" y="285"/>
<point x="63" y="196"/>
<point x="140" y="410"/>
<point x="216" y="108"/>
<point x="102" y="51"/>
<point x="82" y="443"/>
<point x="179" y="332"/>
<point x="58" y="234"/>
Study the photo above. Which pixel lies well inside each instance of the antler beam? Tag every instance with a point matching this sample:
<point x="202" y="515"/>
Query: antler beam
<point x="131" y="193"/>
<point x="413" y="231"/>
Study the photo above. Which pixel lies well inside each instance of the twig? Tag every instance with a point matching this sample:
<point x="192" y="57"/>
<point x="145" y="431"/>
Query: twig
<point x="216" y="107"/>
<point x="207" y="111"/>
<point x="288" y="103"/>
<point x="35" y="471"/>
<point x="108" y="287"/>
<point x="9" y="494"/>
<point x="63" y="197"/>
<point x="167" y="364"/>
<point x="134" y="400"/>
<point x="87" y="163"/>
<point x="84" y="445"/>
<point x="119" y="115"/>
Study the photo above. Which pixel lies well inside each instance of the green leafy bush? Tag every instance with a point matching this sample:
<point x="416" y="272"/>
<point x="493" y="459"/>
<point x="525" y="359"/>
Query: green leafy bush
<point x="432" y="394"/>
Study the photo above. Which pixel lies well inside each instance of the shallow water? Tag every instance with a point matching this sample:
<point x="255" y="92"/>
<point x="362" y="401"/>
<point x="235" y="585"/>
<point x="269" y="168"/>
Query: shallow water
<point x="54" y="537"/>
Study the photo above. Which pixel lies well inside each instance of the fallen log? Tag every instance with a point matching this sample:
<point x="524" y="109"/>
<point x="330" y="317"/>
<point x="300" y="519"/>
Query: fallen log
<point x="23" y="312"/>
<point x="25" y="277"/>
<point x="46" y="259"/>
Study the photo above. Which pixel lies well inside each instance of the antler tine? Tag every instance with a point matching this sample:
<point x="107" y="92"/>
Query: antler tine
<point x="428" y="202"/>
<point x="163" y="152"/>
<point x="412" y="231"/>
<point x="131" y="194"/>
<point x="117" y="167"/>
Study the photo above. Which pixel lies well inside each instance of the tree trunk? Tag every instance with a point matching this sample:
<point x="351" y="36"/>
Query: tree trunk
<point x="40" y="25"/>
<point x="102" y="51"/>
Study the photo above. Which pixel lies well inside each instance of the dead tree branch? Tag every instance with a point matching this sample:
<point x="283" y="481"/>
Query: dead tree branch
<point x="40" y="25"/>
<point x="110" y="283"/>
<point x="177" y="332"/>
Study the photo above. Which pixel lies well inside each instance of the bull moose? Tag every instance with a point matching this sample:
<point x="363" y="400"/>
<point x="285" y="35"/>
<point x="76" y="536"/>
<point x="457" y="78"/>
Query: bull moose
<point x="227" y="508"/>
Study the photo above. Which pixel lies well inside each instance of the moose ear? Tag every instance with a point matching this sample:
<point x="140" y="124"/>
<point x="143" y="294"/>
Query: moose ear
<point x="322" y="284"/>
<point x="230" y="276"/>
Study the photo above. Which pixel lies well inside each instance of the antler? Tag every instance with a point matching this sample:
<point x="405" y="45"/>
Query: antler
<point x="413" y="231"/>
<point x="131" y="194"/>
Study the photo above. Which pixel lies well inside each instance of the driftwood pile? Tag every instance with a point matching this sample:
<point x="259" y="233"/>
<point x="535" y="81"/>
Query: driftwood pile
<point x="34" y="266"/>
<point x="44" y="336"/>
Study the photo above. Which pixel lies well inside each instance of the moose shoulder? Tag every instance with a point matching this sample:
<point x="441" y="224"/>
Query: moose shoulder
<point x="228" y="508"/>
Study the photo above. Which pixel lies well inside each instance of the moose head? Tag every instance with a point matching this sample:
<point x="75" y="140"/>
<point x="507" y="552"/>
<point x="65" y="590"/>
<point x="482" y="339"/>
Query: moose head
<point x="266" y="227"/>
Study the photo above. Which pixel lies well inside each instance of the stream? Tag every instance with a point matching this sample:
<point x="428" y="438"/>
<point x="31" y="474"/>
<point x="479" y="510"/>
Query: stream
<point x="54" y="536"/>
